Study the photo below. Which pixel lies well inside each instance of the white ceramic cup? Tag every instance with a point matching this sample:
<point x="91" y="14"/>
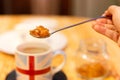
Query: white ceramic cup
<point x="33" y="61"/>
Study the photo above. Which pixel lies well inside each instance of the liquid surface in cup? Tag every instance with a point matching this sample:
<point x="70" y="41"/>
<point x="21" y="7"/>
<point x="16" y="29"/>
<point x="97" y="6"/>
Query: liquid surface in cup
<point x="33" y="50"/>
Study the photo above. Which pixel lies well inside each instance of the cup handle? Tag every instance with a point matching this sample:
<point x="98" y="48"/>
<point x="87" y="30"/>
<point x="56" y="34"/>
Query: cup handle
<point x="58" y="68"/>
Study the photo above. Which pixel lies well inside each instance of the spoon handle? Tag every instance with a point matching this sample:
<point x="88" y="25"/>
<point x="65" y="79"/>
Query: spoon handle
<point x="78" y="24"/>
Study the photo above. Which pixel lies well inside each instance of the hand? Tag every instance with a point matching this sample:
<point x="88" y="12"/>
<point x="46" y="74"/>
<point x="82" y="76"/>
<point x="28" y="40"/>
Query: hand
<point x="109" y="27"/>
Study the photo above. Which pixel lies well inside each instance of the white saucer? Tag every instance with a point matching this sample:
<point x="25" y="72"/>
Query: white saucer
<point x="9" y="41"/>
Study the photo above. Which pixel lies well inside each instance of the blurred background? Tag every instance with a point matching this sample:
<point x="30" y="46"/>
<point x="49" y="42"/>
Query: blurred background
<point x="86" y="8"/>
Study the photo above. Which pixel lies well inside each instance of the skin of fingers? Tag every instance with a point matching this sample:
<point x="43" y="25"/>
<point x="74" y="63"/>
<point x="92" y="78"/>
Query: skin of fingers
<point x="105" y="13"/>
<point x="105" y="21"/>
<point x="115" y="12"/>
<point x="111" y="10"/>
<point x="109" y="21"/>
<point x="112" y="34"/>
<point x="99" y="28"/>
<point x="118" y="41"/>
<point x="107" y="32"/>
<point x="109" y="26"/>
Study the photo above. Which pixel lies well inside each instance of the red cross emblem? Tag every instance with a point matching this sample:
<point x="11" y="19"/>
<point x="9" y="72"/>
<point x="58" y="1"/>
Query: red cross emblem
<point x="31" y="72"/>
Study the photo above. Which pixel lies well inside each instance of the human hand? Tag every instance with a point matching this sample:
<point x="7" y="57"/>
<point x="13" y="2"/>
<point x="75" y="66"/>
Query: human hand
<point x="109" y="27"/>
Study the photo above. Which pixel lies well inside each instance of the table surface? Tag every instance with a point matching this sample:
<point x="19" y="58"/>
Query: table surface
<point x="73" y="35"/>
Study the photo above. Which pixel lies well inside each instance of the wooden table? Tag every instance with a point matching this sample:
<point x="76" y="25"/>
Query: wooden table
<point x="73" y="35"/>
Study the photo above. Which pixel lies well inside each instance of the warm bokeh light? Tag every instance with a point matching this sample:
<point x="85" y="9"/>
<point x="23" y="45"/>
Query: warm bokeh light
<point x="87" y="8"/>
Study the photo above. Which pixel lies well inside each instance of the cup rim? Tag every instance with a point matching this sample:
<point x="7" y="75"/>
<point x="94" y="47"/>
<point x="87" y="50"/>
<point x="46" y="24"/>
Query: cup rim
<point x="29" y="43"/>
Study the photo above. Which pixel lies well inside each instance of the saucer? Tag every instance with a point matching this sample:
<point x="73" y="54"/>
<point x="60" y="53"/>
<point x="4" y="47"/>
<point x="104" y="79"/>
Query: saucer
<point x="9" y="40"/>
<point x="58" y="76"/>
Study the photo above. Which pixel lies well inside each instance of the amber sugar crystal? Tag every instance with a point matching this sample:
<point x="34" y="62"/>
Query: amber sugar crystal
<point x="92" y="70"/>
<point x="40" y="32"/>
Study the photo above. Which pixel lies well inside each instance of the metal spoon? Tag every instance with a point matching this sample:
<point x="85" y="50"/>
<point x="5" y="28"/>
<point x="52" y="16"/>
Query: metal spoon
<point x="77" y="24"/>
<point x="41" y="32"/>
